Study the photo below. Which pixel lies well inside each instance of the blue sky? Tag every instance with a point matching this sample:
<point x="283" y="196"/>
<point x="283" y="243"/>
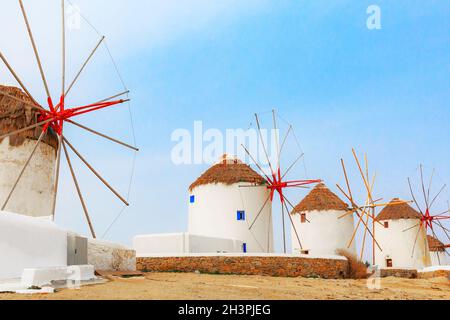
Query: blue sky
<point x="385" y="92"/>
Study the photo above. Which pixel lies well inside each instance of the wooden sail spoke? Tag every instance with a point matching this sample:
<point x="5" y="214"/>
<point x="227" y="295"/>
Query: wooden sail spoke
<point x="77" y="186"/>
<point x="8" y="198"/>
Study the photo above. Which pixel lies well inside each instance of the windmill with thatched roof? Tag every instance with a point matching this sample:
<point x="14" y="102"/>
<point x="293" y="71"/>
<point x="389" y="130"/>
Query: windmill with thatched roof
<point x="225" y="199"/>
<point x="33" y="136"/>
<point x="398" y="232"/>
<point x="316" y="219"/>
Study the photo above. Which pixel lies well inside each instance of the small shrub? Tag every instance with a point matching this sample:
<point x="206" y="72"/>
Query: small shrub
<point x="356" y="268"/>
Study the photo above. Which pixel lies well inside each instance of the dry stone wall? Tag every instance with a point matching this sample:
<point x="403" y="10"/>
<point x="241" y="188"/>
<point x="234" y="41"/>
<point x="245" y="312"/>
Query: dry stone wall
<point x="241" y="265"/>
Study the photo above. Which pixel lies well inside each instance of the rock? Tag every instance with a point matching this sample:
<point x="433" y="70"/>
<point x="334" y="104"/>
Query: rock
<point x="108" y="256"/>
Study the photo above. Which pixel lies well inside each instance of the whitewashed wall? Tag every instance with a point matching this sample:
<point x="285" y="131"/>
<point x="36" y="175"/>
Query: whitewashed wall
<point x="27" y="242"/>
<point x="439" y="258"/>
<point x="214" y="214"/>
<point x="324" y="233"/>
<point x="183" y="243"/>
<point x="397" y="244"/>
<point x="33" y="195"/>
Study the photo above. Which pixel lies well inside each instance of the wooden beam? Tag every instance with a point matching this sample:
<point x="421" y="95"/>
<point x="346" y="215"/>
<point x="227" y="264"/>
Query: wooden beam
<point x="95" y="172"/>
<point x="77" y="186"/>
<point x="33" y="43"/>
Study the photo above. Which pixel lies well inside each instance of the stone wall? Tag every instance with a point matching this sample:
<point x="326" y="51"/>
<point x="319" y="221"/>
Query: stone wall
<point x="435" y="274"/>
<point x="248" y="265"/>
<point x="399" y="273"/>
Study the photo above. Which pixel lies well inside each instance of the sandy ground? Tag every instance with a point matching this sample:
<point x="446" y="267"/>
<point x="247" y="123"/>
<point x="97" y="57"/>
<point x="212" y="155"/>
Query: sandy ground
<point x="178" y="286"/>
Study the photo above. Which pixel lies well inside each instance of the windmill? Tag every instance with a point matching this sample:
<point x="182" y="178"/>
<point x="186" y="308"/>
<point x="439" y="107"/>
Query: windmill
<point x="52" y="117"/>
<point x="276" y="181"/>
<point x="430" y="219"/>
<point x="366" y="213"/>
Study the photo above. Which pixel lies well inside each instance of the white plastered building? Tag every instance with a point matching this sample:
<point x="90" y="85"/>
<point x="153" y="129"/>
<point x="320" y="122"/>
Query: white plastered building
<point x="223" y="204"/>
<point x="34" y="193"/>
<point x="438" y="253"/>
<point x="226" y="200"/>
<point x="322" y="224"/>
<point x="29" y="239"/>
<point x="403" y="242"/>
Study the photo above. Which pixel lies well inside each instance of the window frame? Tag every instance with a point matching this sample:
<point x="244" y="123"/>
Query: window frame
<point x="389" y="263"/>
<point x="303" y="218"/>
<point x="241" y="216"/>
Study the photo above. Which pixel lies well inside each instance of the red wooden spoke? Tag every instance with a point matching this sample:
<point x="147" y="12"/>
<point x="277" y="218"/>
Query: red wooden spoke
<point x="276" y="184"/>
<point x="61" y="114"/>
<point x="428" y="219"/>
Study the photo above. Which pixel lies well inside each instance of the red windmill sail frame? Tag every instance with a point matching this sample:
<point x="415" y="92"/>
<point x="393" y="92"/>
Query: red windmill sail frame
<point x="60" y="114"/>
<point x="428" y="220"/>
<point x="276" y="183"/>
<point x="56" y="116"/>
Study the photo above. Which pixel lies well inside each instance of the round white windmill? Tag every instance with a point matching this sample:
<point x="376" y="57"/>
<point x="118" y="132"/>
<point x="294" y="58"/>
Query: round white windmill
<point x="317" y="221"/>
<point x="225" y="198"/>
<point x="36" y="137"/>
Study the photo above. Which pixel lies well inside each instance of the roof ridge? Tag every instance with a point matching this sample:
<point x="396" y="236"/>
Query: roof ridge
<point x="321" y="198"/>
<point x="228" y="173"/>
<point x="398" y="211"/>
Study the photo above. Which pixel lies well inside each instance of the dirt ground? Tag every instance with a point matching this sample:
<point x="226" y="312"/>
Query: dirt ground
<point x="178" y="286"/>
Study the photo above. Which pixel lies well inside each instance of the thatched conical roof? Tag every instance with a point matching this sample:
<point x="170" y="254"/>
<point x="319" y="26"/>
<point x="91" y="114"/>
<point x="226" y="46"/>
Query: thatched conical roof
<point x="435" y="245"/>
<point x="228" y="171"/>
<point x="398" y="211"/>
<point x="320" y="199"/>
<point x="15" y="115"/>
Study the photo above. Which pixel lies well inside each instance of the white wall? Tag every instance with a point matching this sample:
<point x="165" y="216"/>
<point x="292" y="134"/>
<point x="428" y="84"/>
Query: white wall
<point x="159" y="244"/>
<point x="214" y="214"/>
<point x="27" y="242"/>
<point x="439" y="258"/>
<point x="397" y="244"/>
<point x="183" y="243"/>
<point x="34" y="193"/>
<point x="202" y="244"/>
<point x="324" y="233"/>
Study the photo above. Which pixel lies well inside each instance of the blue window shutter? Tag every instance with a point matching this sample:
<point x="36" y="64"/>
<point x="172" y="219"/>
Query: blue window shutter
<point x="192" y="199"/>
<point x="244" y="248"/>
<point x="241" y="215"/>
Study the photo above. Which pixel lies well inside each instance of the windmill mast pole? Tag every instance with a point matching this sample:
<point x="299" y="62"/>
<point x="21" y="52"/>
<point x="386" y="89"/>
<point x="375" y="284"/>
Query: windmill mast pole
<point x="84" y="65"/>
<point x="14" y="74"/>
<point x="63" y="86"/>
<point x="63" y="33"/>
<point x="373" y="239"/>
<point x="102" y="135"/>
<point x="33" y="43"/>
<point x="77" y="186"/>
<point x="284" y="228"/>
<point x="58" y="166"/>
<point x="95" y="172"/>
